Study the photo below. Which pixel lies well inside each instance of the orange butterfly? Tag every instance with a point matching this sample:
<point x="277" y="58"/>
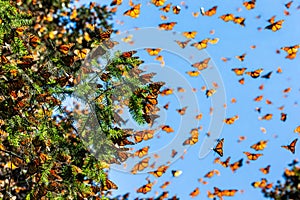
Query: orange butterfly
<point x="142" y="152"/>
<point x="265" y="170"/>
<point x="134" y="12"/>
<point x="267" y="117"/>
<point x="190" y="34"/>
<point x="224" y="164"/>
<point x="242" y="81"/>
<point x="193" y="73"/>
<point x="236" y="165"/>
<point x="145" y="188"/>
<point x="153" y="52"/>
<point x="274" y="26"/>
<point x="158" y="2"/>
<point x="259" y="146"/>
<point x="64" y="48"/>
<point x="291" y="147"/>
<point x="252" y="156"/>
<point x="241" y="57"/>
<point x="195" y="192"/>
<point x="140" y="166"/>
<point x="249" y="4"/>
<point x="239" y="71"/>
<point x="219" y="147"/>
<point x="143" y="135"/>
<point x="291" y="51"/>
<point x="163" y="186"/>
<point x="288" y="5"/>
<point x="255" y="73"/>
<point x="267" y="76"/>
<point x="227" y="17"/>
<point x="176" y="10"/>
<point x="182" y="44"/>
<point x="201" y="45"/>
<point x="283" y="116"/>
<point x="210" y="92"/>
<point x="116" y="2"/>
<point x="108" y="185"/>
<point x="231" y="120"/>
<point x="167" y="26"/>
<point x="297" y="129"/>
<point x="239" y="20"/>
<point x="166" y="8"/>
<point x="202" y="64"/>
<point x="210" y="12"/>
<point x="176" y="173"/>
<point x="167" y="128"/>
<point x="191" y="140"/>
<point x="181" y="111"/>
<point x="160" y="171"/>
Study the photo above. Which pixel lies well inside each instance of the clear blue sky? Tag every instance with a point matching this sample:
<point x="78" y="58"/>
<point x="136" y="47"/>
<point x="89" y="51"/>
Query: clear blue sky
<point x="234" y="40"/>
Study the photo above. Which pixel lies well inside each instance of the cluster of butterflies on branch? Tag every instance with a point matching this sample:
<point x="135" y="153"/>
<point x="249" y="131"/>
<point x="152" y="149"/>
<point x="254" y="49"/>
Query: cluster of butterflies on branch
<point x="252" y="155"/>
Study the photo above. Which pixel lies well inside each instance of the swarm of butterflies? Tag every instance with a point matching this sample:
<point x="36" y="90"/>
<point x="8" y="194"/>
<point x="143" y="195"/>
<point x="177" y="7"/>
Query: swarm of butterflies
<point x="164" y="7"/>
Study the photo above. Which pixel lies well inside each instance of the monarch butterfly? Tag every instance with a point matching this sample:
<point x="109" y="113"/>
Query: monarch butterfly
<point x="239" y="20"/>
<point x="165" y="184"/>
<point x="167" y="26"/>
<point x="140" y="166"/>
<point x="231" y="120"/>
<point x="236" y="165"/>
<point x="34" y="40"/>
<point x="210" y="12"/>
<point x="288" y="5"/>
<point x="252" y="156"/>
<point x="202" y="64"/>
<point x="167" y="91"/>
<point x="291" y="51"/>
<point x="108" y="185"/>
<point x="160" y="171"/>
<point x="173" y="153"/>
<point x="163" y="17"/>
<point x="153" y="52"/>
<point x="134" y="12"/>
<point x="261" y="184"/>
<point x="283" y="117"/>
<point x="64" y="48"/>
<point x="158" y="2"/>
<point x="242" y="81"/>
<point x="201" y="45"/>
<point x="167" y="128"/>
<point x="227" y="17"/>
<point x="265" y="170"/>
<point x="241" y="57"/>
<point x="224" y="164"/>
<point x="259" y="145"/>
<point x="210" y="92"/>
<point x="249" y="4"/>
<point x="195" y="14"/>
<point x="229" y="193"/>
<point x="176" y="10"/>
<point x="219" y="147"/>
<point x="142" y="152"/>
<point x="143" y="135"/>
<point x="166" y="8"/>
<point x="275" y="26"/>
<point x="191" y="140"/>
<point x="195" y="192"/>
<point x="291" y="147"/>
<point x="199" y="117"/>
<point x="239" y="71"/>
<point x="182" y="44"/>
<point x="176" y="173"/>
<point x="211" y="173"/>
<point x="81" y="54"/>
<point x="181" y="111"/>
<point x="105" y="35"/>
<point x="267" y="117"/>
<point x="213" y="41"/>
<point x="297" y="129"/>
<point x="145" y="188"/>
<point x="116" y="2"/>
<point x="190" y="34"/>
<point x="258" y="98"/>
<point x="193" y="73"/>
<point x="255" y="73"/>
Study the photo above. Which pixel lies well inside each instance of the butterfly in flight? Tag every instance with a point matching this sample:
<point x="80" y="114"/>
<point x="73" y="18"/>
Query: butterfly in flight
<point x="291" y="147"/>
<point x="219" y="147"/>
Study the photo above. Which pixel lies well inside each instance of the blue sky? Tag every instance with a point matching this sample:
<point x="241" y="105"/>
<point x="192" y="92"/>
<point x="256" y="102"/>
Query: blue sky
<point x="234" y="40"/>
